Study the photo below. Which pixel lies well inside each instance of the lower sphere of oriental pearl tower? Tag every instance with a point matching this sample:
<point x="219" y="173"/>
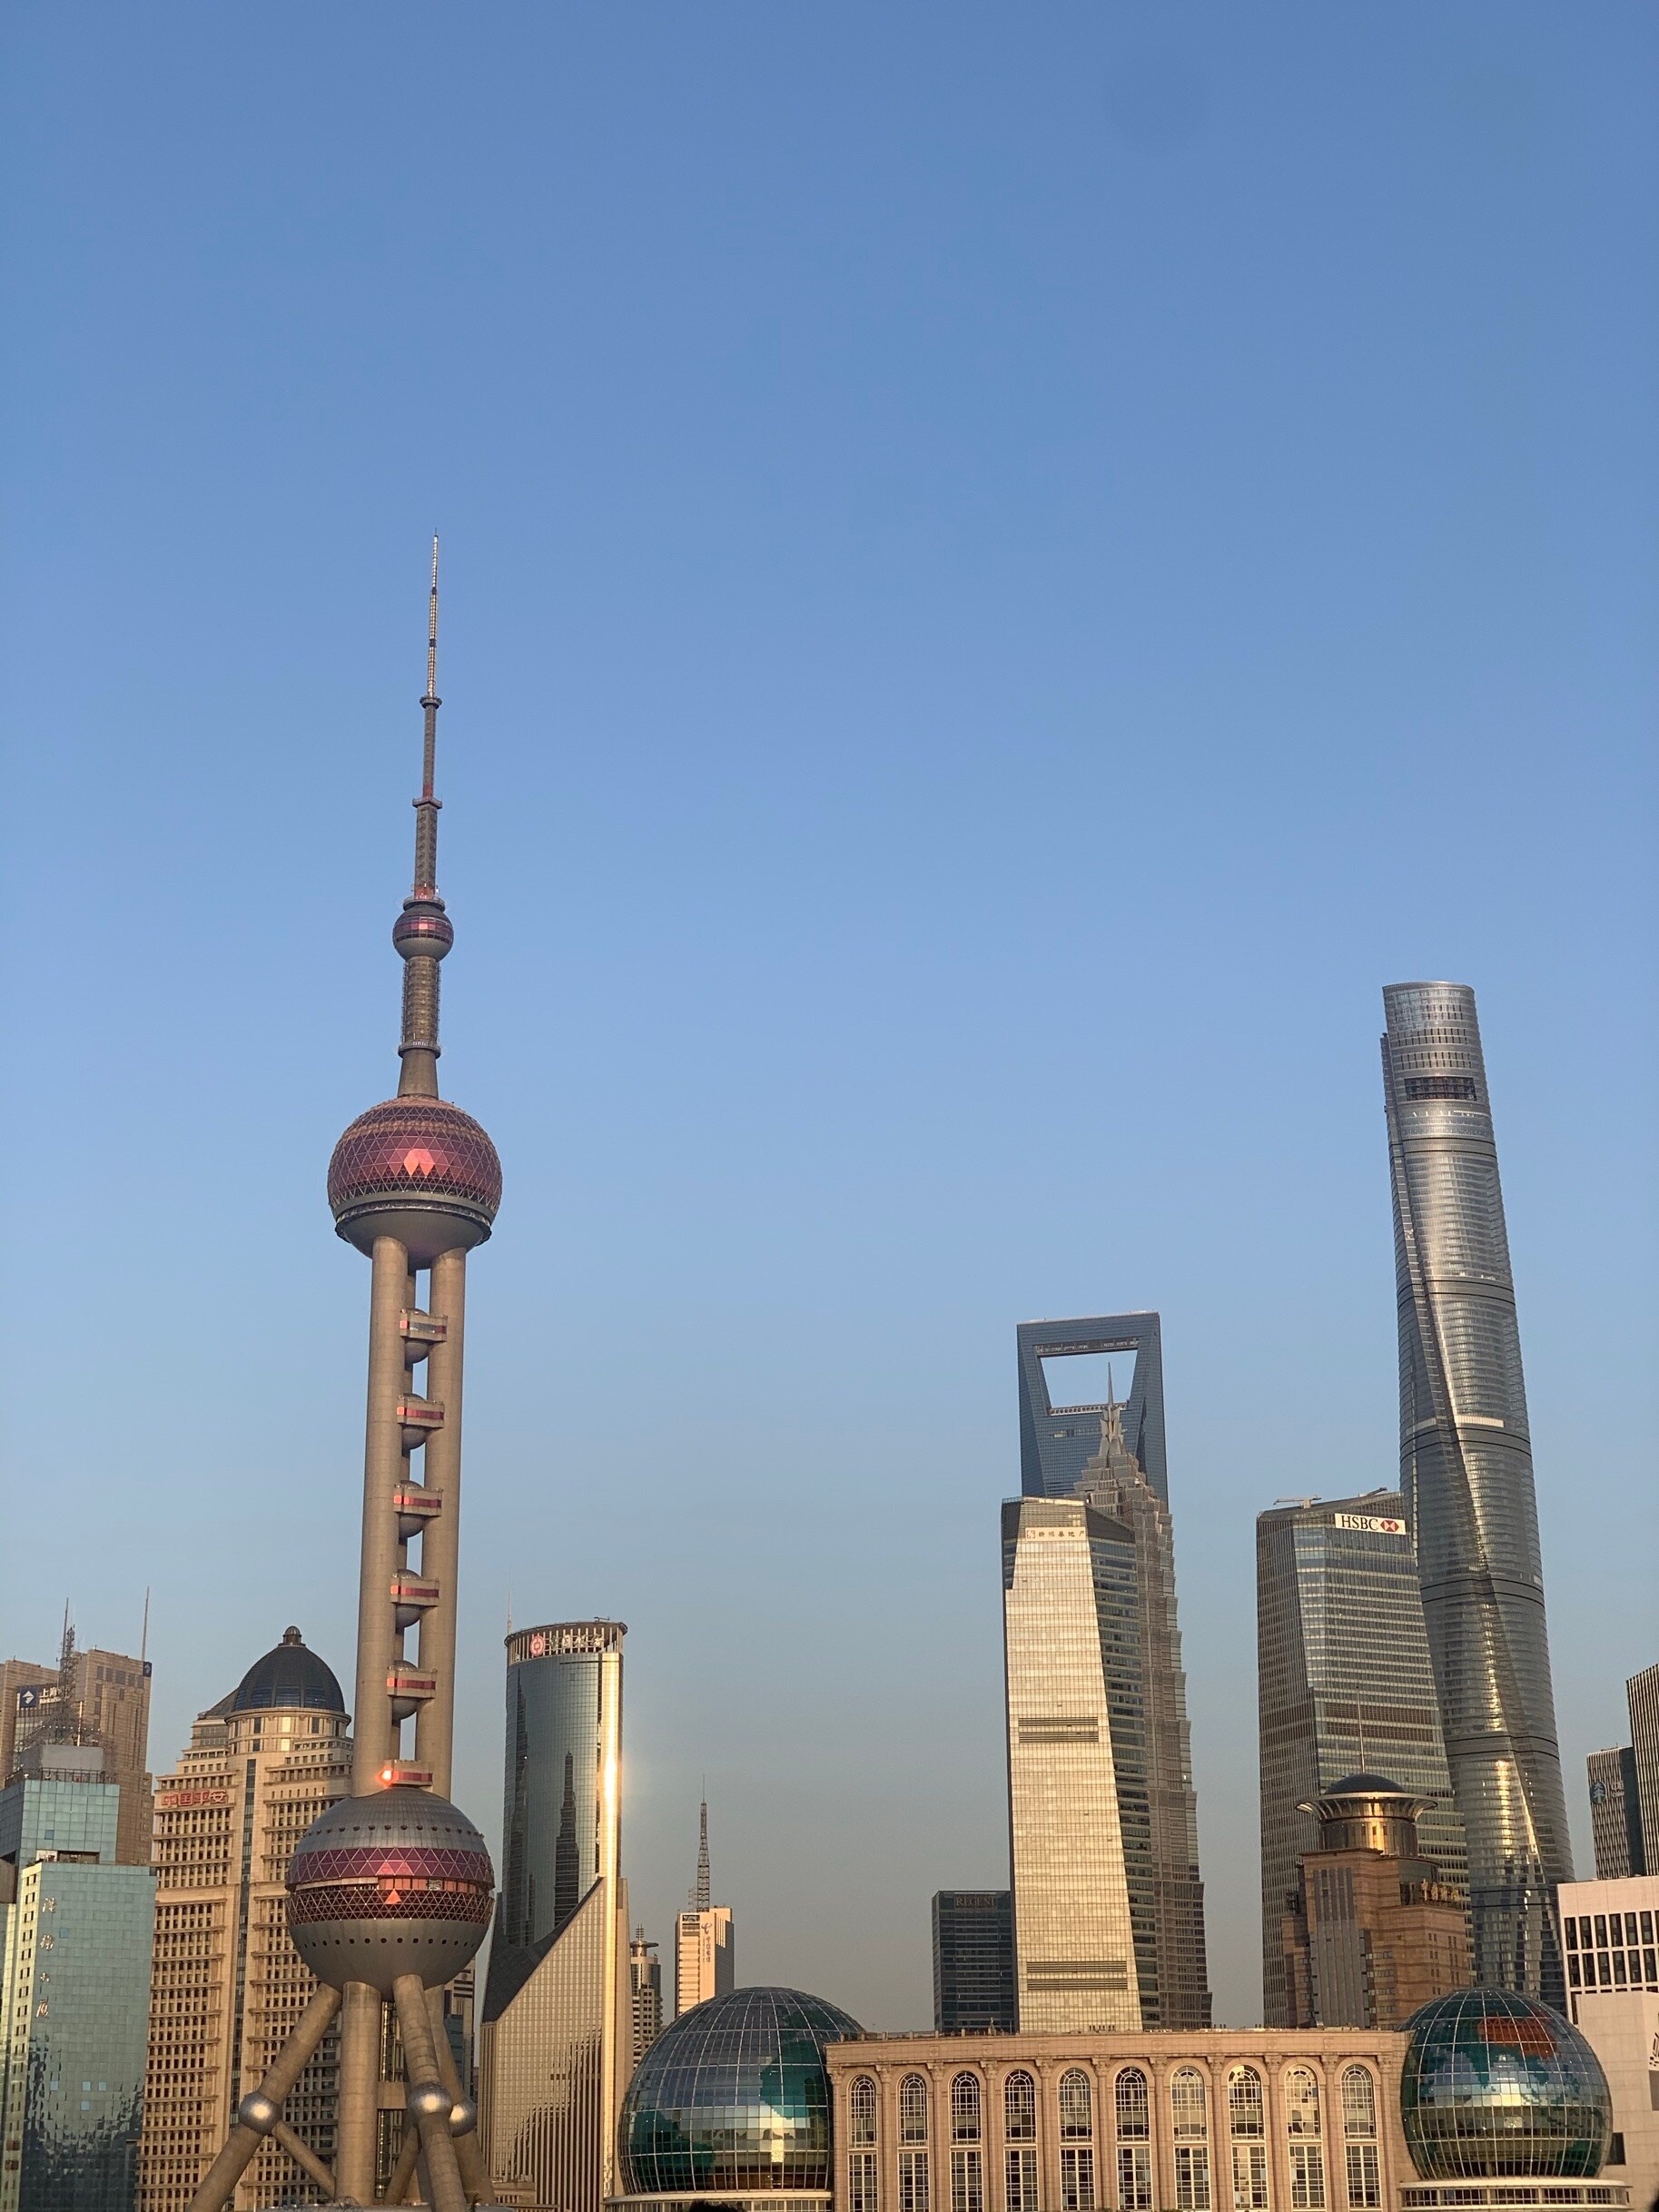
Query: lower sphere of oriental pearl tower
<point x="393" y="1885"/>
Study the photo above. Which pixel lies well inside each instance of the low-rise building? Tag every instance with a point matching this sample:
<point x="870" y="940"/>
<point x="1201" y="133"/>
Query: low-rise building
<point x="1248" y="2117"/>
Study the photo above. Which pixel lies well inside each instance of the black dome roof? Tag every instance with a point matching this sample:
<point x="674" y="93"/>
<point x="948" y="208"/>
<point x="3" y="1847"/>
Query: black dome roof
<point x="1366" y="1785"/>
<point x="288" y="1676"/>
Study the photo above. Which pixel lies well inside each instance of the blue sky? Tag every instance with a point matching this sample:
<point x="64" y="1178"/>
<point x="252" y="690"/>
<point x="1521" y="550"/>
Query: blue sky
<point x="1004" y="570"/>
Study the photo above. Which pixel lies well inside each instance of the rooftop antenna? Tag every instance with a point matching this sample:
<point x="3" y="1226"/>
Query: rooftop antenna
<point x="144" y="1633"/>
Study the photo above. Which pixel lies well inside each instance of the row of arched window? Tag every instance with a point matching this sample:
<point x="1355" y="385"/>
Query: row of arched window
<point x="1244" y="2127"/>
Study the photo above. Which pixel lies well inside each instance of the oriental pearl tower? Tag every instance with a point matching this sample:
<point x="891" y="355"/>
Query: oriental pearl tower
<point x="390" y="1891"/>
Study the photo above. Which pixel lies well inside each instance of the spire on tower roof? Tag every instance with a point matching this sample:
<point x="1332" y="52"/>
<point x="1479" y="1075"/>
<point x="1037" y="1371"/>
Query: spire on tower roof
<point x="705" y="1890"/>
<point x="423" y="932"/>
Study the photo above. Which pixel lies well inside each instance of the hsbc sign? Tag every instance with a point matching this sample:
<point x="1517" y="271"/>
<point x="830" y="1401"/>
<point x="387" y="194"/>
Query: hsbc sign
<point x="1375" y="1521"/>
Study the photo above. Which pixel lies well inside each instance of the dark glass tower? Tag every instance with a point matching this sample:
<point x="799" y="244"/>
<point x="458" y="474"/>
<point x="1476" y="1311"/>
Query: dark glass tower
<point x="974" y="1962"/>
<point x="1466" y="1471"/>
<point x="1343" y="1684"/>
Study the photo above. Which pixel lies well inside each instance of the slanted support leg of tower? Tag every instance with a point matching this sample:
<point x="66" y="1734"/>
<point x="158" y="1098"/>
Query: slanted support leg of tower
<point x="259" y="2114"/>
<point x="427" y="2101"/>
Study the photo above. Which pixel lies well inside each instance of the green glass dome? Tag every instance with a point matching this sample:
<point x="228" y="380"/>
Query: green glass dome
<point x="734" y="2098"/>
<point x="1496" y="2086"/>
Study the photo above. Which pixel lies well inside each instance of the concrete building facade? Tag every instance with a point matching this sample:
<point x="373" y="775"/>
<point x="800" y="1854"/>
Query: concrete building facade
<point x="93" y="1696"/>
<point x="1254" y="2117"/>
<point x="228" y="1985"/>
<point x="645" y="1983"/>
<point x="1612" y="1941"/>
<point x="1641" y="1694"/>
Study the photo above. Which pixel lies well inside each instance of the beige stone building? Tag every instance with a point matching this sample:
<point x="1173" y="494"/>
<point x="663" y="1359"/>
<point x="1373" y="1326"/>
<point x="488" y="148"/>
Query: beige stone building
<point x="228" y="1984"/>
<point x="90" y="1698"/>
<point x="1256" y="2120"/>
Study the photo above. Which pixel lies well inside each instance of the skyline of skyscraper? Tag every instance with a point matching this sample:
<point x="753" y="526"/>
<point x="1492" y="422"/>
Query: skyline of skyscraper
<point x="1344" y="1684"/>
<point x="974" y="1962"/>
<point x="556" y="2027"/>
<point x="1616" y="1815"/>
<point x="1058" y="1438"/>
<point x="1467" y="1478"/>
<point x="1642" y="1701"/>
<point x="91" y="1696"/>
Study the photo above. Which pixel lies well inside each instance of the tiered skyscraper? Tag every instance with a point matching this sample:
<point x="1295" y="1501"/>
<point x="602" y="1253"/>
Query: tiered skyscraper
<point x="1109" y="1921"/>
<point x="1466" y="1471"/>
<point x="705" y="1938"/>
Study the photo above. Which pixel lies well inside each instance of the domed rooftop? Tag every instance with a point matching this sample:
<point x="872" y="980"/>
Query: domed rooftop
<point x="1496" y="2086"/>
<point x="287" y="1677"/>
<point x="734" y="2098"/>
<point x="1366" y="1785"/>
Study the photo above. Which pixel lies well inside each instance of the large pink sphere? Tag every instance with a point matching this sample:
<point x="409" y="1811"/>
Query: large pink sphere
<point x="418" y="1170"/>
<point x="395" y="1883"/>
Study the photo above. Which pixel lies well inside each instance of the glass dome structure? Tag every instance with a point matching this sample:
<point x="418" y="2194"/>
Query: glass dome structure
<point x="732" y="2099"/>
<point x="1496" y="2086"/>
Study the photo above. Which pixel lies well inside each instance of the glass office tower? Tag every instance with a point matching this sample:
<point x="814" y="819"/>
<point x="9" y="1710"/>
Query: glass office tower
<point x="555" y="2037"/>
<point x="974" y="1969"/>
<point x="1344" y="1686"/>
<point x="1057" y="1442"/>
<point x="1466" y="1471"/>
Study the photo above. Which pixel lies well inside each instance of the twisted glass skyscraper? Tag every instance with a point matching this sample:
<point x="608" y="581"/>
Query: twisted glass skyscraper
<point x="1466" y="1470"/>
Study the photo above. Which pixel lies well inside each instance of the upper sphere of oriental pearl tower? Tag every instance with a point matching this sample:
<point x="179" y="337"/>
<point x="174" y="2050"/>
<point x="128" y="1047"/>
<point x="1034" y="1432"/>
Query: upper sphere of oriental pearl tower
<point x="417" y="1169"/>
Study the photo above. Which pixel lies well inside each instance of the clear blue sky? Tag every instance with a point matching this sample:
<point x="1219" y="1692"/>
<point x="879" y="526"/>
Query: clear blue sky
<point x="1006" y="569"/>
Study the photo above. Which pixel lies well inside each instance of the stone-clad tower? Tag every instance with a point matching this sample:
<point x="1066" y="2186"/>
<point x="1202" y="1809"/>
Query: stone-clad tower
<point x="390" y="1891"/>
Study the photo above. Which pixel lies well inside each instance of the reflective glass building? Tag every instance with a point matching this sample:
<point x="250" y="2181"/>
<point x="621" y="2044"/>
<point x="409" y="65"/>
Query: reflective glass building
<point x="75" y="2009"/>
<point x="731" y="2103"/>
<point x="556" y="2032"/>
<point x="1343" y="1682"/>
<point x="1466" y="1471"/>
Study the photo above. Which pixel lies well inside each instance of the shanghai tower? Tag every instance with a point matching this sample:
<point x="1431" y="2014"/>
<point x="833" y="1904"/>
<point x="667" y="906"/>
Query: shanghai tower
<point x="1466" y="1470"/>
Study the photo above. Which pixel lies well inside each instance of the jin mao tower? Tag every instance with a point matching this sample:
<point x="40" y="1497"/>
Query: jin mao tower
<point x="1466" y="1470"/>
<point x="389" y="1890"/>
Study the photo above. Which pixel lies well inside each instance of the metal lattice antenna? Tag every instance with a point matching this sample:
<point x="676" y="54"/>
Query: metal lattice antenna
<point x="704" y="1889"/>
<point x="423" y="932"/>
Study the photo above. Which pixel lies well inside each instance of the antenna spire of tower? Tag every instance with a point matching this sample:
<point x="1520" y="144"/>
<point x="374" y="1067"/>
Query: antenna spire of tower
<point x="704" y="1889"/>
<point x="423" y="932"/>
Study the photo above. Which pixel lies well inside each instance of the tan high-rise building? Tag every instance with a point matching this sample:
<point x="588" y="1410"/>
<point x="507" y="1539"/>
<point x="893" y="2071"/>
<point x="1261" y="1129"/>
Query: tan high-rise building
<point x="228" y="1985"/>
<point x="704" y="1937"/>
<point x="89" y="1697"/>
<point x="1373" y="1931"/>
<point x="1076" y="1761"/>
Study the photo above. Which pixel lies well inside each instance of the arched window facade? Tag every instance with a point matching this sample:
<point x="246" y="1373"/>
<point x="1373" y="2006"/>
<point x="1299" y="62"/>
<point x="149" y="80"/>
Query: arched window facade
<point x="1359" y="2140"/>
<point x="862" y="2191"/>
<point x="914" y="2179"/>
<point x="967" y="2160"/>
<point x="1077" y="2141"/>
<point x="1305" y="2130"/>
<point x="1020" y="2143"/>
<point x="1131" y="2107"/>
<point x="965" y="2103"/>
<point x="861" y="2109"/>
<point x="1246" y="2126"/>
<point x="913" y="2109"/>
<point x="1190" y="2123"/>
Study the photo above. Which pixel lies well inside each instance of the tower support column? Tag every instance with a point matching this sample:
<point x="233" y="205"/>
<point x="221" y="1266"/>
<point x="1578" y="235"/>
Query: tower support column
<point x="440" y="1544"/>
<point x="372" y="1726"/>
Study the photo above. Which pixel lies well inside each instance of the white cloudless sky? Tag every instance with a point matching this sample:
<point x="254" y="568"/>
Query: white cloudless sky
<point x="1005" y="569"/>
